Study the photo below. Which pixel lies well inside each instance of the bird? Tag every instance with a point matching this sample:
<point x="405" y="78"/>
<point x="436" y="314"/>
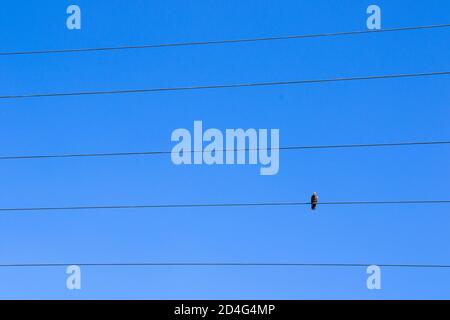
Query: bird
<point x="314" y="200"/>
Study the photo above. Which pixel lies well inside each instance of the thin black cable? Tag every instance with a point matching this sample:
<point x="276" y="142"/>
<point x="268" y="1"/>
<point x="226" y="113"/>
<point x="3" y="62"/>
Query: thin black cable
<point x="227" y="41"/>
<point x="225" y="264"/>
<point x="213" y="205"/>
<point x="288" y="148"/>
<point x="156" y="206"/>
<point x="225" y="86"/>
<point x="385" y="202"/>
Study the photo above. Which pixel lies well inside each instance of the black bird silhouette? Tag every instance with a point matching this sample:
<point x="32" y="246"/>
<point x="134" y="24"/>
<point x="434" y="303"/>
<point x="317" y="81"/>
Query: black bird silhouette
<point x="314" y="200"/>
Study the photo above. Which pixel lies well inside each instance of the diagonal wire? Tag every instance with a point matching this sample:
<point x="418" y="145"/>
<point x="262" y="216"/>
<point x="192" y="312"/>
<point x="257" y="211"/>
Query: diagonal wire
<point x="288" y="148"/>
<point x="215" y="205"/>
<point x="226" y="41"/>
<point x="225" y="86"/>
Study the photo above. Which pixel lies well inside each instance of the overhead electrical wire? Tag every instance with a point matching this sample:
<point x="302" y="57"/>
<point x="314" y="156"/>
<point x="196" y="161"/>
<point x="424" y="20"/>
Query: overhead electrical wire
<point x="226" y="41"/>
<point x="288" y="148"/>
<point x="212" y="205"/>
<point x="225" y="264"/>
<point x="225" y="86"/>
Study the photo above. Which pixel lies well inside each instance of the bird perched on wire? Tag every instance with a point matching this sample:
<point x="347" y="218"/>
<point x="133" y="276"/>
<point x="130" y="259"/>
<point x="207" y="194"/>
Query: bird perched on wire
<point x="314" y="200"/>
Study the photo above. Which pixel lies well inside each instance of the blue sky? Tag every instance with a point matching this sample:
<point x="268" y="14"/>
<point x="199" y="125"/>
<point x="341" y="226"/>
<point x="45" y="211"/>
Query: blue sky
<point x="334" y="113"/>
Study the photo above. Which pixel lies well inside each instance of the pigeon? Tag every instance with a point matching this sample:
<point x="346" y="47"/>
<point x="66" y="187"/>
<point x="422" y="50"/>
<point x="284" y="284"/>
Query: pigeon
<point x="314" y="200"/>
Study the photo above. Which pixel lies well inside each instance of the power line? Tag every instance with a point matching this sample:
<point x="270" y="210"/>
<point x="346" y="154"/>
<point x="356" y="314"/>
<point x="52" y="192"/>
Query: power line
<point x="288" y="148"/>
<point x="215" y="205"/>
<point x="225" y="264"/>
<point x="226" y="41"/>
<point x="225" y="86"/>
<point x="385" y="202"/>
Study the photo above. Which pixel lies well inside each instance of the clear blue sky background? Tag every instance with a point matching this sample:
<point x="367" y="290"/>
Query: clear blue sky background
<point x="353" y="112"/>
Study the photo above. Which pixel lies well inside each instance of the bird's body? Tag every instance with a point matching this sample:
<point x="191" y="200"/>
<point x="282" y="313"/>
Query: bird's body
<point x="314" y="201"/>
